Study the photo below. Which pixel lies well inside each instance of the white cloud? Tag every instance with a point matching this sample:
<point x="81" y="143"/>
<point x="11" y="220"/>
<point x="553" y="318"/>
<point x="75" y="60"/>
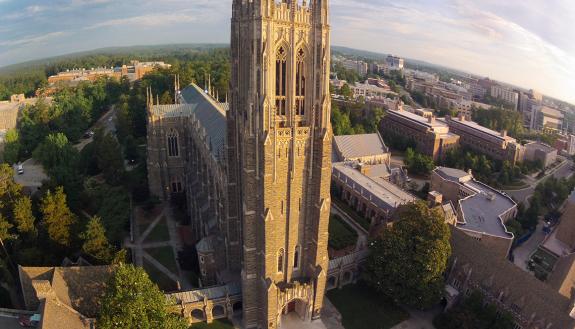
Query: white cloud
<point x="152" y="20"/>
<point x="36" y="39"/>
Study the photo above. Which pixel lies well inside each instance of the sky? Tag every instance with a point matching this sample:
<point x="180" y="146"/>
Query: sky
<point x="529" y="43"/>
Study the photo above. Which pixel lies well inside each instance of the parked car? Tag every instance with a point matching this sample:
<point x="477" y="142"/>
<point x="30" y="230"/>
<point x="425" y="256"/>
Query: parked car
<point x="29" y="321"/>
<point x="89" y="134"/>
<point x="20" y="169"/>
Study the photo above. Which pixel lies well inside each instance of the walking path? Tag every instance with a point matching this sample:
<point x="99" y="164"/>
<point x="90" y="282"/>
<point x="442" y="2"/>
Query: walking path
<point x="139" y="247"/>
<point x="522" y="253"/>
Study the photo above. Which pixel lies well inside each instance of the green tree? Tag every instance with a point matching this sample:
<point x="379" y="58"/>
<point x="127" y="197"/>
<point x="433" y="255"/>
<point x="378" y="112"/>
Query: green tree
<point x="55" y="151"/>
<point x="110" y="159"/>
<point x="418" y="163"/>
<point x="57" y="217"/>
<point x="12" y="146"/>
<point x="95" y="242"/>
<point x="133" y="301"/>
<point x="6" y="230"/>
<point x="340" y="122"/>
<point x="345" y="91"/>
<point x="23" y="216"/>
<point x="408" y="260"/>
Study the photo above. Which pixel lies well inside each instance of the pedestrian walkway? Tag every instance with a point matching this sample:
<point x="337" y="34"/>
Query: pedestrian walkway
<point x="143" y="243"/>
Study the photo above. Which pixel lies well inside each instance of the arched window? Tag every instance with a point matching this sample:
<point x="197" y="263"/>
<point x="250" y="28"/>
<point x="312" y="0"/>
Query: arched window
<point x="296" y="258"/>
<point x="281" y="81"/>
<point x="173" y="147"/>
<point x="300" y="83"/>
<point x="281" y="261"/>
<point x="177" y="186"/>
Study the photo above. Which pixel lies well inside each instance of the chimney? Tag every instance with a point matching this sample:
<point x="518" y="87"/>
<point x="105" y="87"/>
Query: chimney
<point x="461" y="117"/>
<point x="504" y="133"/>
<point x="470" y="172"/>
<point x="431" y="119"/>
<point x="434" y="199"/>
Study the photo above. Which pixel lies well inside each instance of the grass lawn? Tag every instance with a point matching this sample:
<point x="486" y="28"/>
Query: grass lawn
<point x="159" y="233"/>
<point x="164" y="283"/>
<point x="216" y="324"/>
<point x="362" y="221"/>
<point x="363" y="308"/>
<point x="341" y="235"/>
<point x="164" y="255"/>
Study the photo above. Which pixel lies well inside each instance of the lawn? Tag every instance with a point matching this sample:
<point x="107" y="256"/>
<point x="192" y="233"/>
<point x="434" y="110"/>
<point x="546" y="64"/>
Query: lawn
<point x="362" y="221"/>
<point x="164" y="255"/>
<point x="159" y="233"/>
<point x="341" y="235"/>
<point x="216" y="324"/>
<point x="363" y="308"/>
<point x="164" y="283"/>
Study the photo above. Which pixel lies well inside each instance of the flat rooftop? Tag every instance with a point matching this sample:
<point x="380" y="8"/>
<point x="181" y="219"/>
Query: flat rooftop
<point x="434" y="124"/>
<point x="475" y="126"/>
<point x="540" y="146"/>
<point x="482" y="210"/>
<point x="381" y="192"/>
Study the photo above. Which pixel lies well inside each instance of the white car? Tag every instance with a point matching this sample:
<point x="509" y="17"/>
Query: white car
<point x="20" y="169"/>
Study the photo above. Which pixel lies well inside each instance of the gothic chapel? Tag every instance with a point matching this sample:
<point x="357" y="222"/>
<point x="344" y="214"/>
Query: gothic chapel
<point x="256" y="171"/>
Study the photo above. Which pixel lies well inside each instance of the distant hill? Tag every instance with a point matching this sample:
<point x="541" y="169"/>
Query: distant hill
<point x="142" y="52"/>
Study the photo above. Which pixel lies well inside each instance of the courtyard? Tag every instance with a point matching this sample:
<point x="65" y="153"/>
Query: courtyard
<point x="155" y="248"/>
<point x="363" y="308"/>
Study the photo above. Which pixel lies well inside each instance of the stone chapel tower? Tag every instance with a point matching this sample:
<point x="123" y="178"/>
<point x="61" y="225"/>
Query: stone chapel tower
<point x="279" y="157"/>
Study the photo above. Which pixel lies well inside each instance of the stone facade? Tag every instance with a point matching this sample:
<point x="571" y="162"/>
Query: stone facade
<point x="257" y="171"/>
<point x="186" y="154"/>
<point x="279" y="156"/>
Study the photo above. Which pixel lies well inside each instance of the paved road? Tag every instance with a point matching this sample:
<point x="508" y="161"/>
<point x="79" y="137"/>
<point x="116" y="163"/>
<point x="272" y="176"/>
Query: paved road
<point x="7" y="322"/>
<point x="107" y="121"/>
<point x="562" y="171"/>
<point x="522" y="253"/>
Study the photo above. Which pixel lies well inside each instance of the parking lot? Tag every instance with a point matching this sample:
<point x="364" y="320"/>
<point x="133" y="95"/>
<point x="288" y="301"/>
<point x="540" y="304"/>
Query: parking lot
<point x="32" y="177"/>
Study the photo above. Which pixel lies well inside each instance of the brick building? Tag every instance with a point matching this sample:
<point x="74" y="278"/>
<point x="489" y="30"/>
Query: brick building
<point x="432" y="136"/>
<point x="496" y="145"/>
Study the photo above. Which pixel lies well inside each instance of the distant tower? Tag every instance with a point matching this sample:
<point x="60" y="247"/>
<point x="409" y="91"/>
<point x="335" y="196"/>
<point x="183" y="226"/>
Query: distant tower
<point x="279" y="157"/>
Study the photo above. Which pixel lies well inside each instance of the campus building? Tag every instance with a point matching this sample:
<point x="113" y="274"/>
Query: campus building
<point x="481" y="210"/>
<point x="256" y="171"/>
<point x="432" y="136"/>
<point x="135" y="71"/>
<point x="543" y="153"/>
<point x="359" y="67"/>
<point x="532" y="304"/>
<point x="370" y="193"/>
<point x="496" y="145"/>
<point x="367" y="149"/>
<point x="506" y="95"/>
